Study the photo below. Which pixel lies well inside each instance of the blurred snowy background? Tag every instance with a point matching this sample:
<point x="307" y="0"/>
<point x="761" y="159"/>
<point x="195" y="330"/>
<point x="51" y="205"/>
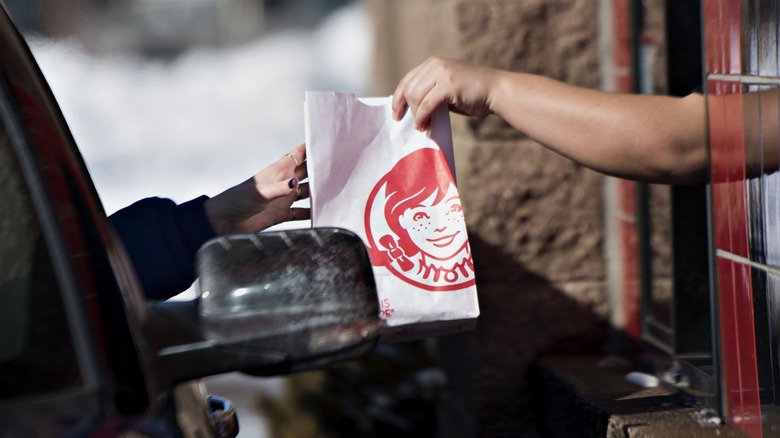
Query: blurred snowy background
<point x="157" y="114"/>
<point x="207" y="118"/>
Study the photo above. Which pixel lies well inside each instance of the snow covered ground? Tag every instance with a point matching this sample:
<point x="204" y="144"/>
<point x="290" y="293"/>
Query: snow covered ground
<point x="202" y="122"/>
<point x="206" y="120"/>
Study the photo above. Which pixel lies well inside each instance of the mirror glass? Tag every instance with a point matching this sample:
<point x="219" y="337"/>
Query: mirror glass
<point x="297" y="290"/>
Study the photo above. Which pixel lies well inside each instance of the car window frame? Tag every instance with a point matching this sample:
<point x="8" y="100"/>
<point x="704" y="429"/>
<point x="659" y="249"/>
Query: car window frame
<point x="95" y="394"/>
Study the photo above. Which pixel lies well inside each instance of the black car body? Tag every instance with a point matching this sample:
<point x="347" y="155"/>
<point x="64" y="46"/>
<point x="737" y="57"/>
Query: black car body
<point x="82" y="353"/>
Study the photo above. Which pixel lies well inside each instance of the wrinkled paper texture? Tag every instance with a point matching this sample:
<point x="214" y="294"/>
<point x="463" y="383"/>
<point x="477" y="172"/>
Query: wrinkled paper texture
<point x="394" y="186"/>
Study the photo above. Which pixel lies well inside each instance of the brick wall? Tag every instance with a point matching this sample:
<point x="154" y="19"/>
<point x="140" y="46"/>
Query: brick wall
<point x="535" y="219"/>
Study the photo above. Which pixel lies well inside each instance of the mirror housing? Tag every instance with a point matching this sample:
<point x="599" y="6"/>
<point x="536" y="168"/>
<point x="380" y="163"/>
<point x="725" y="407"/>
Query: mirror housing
<point x="270" y="303"/>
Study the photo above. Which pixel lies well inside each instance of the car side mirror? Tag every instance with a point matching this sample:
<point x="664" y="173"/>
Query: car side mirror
<point x="269" y="304"/>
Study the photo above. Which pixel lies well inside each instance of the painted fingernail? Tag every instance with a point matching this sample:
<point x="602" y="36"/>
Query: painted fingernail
<point x="291" y="183"/>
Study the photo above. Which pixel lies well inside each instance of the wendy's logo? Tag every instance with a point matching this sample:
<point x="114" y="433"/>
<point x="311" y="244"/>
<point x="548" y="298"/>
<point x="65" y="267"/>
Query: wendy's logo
<point x="415" y="226"/>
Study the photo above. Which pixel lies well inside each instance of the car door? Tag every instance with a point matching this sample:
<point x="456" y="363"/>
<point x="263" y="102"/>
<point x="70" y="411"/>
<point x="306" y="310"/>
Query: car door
<point x="70" y="352"/>
<point x="81" y="350"/>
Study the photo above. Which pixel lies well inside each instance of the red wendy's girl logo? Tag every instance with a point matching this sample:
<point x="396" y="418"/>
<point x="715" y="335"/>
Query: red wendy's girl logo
<point x="415" y="226"/>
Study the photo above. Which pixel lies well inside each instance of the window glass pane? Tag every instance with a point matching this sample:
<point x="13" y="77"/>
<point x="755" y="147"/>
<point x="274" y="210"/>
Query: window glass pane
<point x="36" y="350"/>
<point x="661" y="254"/>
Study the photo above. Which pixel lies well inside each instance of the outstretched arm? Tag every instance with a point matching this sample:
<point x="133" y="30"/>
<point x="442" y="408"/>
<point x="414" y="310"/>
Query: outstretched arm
<point x="162" y="238"/>
<point x="654" y="139"/>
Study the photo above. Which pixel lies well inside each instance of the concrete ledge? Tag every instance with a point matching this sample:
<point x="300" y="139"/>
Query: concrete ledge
<point x="587" y="396"/>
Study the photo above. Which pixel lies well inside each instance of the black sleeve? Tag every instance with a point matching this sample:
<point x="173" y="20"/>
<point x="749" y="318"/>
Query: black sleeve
<point x="162" y="239"/>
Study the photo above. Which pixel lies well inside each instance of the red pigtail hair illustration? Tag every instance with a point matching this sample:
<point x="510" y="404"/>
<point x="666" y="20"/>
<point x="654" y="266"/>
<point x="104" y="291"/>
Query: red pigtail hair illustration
<point x="394" y="252"/>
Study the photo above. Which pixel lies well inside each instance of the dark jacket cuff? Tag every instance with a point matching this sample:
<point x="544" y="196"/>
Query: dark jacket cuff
<point x="162" y="239"/>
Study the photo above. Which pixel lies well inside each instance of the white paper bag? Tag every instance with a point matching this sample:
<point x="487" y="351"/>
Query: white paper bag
<point x="395" y="188"/>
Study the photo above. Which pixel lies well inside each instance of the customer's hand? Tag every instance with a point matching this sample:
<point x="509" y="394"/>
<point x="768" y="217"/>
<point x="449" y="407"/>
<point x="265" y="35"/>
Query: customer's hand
<point x="265" y="199"/>
<point x="467" y="89"/>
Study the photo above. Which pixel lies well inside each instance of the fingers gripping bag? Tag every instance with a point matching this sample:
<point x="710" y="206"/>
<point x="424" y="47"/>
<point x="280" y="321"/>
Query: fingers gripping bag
<point x="394" y="186"/>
